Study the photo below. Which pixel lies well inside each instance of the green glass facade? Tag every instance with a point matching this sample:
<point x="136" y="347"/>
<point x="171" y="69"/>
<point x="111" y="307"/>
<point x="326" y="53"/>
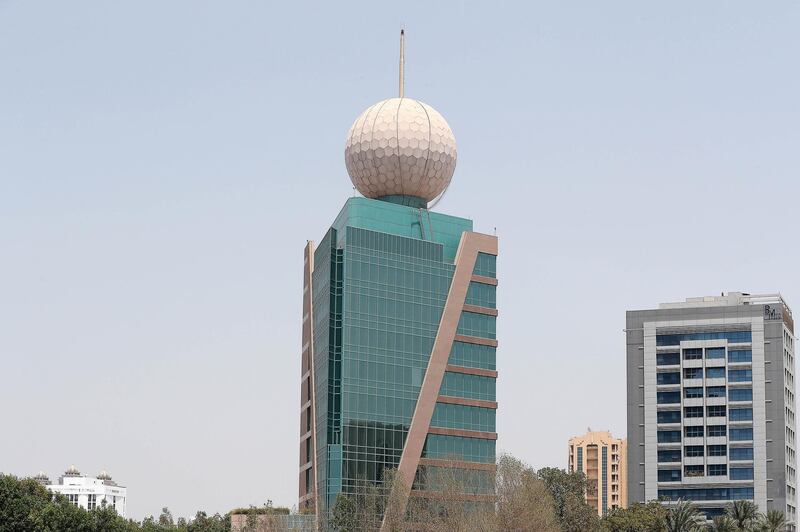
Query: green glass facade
<point x="380" y="281"/>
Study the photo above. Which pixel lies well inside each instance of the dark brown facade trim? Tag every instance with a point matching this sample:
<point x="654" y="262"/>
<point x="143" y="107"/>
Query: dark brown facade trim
<point x="475" y="340"/>
<point x="480" y="435"/>
<point x="471" y="371"/>
<point x="307" y="493"/>
<point x="484" y="280"/>
<point x="480" y="310"/>
<point x="457" y="464"/>
<point x="459" y="497"/>
<point x="466" y="402"/>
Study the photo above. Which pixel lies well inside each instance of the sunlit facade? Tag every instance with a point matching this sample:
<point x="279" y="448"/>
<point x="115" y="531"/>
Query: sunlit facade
<point x="399" y="351"/>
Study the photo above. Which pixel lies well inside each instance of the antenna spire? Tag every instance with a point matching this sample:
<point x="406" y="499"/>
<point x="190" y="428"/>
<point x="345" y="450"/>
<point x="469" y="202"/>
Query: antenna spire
<point x="402" y="60"/>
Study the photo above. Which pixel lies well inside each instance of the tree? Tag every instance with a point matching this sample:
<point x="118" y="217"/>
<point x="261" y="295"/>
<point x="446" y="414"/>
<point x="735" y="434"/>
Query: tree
<point x="743" y="513"/>
<point x="773" y="521"/>
<point x="215" y="523"/>
<point x="684" y="517"/>
<point x="568" y="491"/>
<point x="723" y="523"/>
<point x="20" y="501"/>
<point x="650" y="517"/>
<point x="360" y="510"/>
<point x="523" y="500"/>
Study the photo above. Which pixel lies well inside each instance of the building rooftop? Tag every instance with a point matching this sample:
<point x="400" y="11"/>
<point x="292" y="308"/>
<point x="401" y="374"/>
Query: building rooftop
<point x="728" y="300"/>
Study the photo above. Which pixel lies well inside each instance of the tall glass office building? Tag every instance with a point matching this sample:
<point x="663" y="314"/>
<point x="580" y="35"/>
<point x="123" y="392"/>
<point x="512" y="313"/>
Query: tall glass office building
<point x="711" y="406"/>
<point x="399" y="342"/>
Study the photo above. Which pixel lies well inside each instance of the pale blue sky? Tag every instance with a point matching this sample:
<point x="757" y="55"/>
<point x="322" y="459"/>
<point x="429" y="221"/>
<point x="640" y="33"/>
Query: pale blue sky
<point x="163" y="163"/>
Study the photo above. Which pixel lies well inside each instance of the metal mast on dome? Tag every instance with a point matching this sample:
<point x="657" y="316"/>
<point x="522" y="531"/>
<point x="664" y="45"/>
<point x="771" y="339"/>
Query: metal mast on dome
<point x="402" y="60"/>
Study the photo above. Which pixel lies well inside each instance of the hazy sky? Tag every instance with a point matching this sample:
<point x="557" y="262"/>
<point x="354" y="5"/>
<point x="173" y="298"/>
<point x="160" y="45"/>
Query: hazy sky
<point x="162" y="165"/>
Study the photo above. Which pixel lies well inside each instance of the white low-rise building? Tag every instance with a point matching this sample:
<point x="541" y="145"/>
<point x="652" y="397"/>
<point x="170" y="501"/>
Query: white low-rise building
<point x="88" y="492"/>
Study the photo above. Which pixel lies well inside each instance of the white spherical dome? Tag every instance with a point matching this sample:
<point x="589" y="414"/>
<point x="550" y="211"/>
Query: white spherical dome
<point x="400" y="147"/>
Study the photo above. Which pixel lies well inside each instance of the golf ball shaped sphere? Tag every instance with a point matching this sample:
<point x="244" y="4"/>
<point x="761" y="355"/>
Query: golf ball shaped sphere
<point x="400" y="146"/>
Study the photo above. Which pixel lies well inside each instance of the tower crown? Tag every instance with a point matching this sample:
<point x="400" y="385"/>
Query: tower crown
<point x="401" y="149"/>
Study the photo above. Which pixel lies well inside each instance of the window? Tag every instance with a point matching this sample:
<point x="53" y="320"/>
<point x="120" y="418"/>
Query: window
<point x="73" y="498"/>
<point x="693" y="432"/>
<point x="716" y="430"/>
<point x="717" y="470"/>
<point x="668" y="378"/>
<point x="741" y="473"/>
<point x="482" y="295"/>
<point x="92" y="502"/>
<point x="735" y="337"/>
<point x="693" y="411"/>
<point x="715" y="352"/>
<point x="740" y="355"/>
<point x="668" y="359"/>
<point x="693" y="450"/>
<point x="485" y="265"/>
<point x="706" y="494"/>
<point x="669" y="475"/>
<point x="715" y="373"/>
<point x="663" y="398"/>
<point x="669" y="455"/>
<point x="694" y="471"/>
<point x="669" y="436"/>
<point x="717" y="450"/>
<point x="715" y="391"/>
<point x="741" y="434"/>
<point x="692" y="373"/>
<point x="740" y="394"/>
<point x="716" y="411"/>
<point x="741" y="453"/>
<point x="692" y="354"/>
<point x="740" y="414"/>
<point x="740" y="375"/>
<point x="669" y="416"/>
<point x="693" y="392"/>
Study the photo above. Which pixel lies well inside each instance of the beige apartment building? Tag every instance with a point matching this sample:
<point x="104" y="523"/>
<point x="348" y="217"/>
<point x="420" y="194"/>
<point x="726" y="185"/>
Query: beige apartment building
<point x="603" y="459"/>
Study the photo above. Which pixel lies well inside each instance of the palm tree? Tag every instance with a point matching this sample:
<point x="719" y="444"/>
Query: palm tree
<point x="743" y="513"/>
<point x="773" y="521"/>
<point x="723" y="523"/>
<point x="684" y="517"/>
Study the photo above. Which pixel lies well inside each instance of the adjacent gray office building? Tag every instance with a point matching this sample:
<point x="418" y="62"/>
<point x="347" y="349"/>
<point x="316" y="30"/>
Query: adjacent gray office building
<point x="711" y="406"/>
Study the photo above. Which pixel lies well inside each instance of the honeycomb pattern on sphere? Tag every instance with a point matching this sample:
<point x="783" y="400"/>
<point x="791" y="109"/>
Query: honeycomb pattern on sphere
<point x="400" y="146"/>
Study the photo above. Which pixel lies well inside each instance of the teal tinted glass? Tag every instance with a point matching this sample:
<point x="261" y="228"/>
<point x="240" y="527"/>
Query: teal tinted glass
<point x="463" y="417"/>
<point x="473" y="355"/>
<point x="480" y="325"/>
<point x="469" y="386"/>
<point x="486" y="265"/>
<point x="435" y="478"/>
<point x="458" y="448"/>
<point x="482" y="295"/>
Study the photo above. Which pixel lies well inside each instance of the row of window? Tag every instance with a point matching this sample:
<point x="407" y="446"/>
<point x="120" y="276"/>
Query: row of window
<point x="735" y="454"/>
<point x="674" y="359"/>
<point x="697" y="353"/>
<point x="734" y="394"/>
<point x="734" y="414"/>
<point x="706" y="494"/>
<point x="485" y="265"/>
<point x="711" y="470"/>
<point x="358" y="237"/>
<point x="480" y="325"/>
<point x="473" y="355"/>
<point x="734" y="434"/>
<point x="451" y="416"/>
<point x="734" y="337"/>
<point x="469" y="386"/>
<point x="734" y="375"/>
<point x="482" y="295"/>
<point x="459" y="448"/>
